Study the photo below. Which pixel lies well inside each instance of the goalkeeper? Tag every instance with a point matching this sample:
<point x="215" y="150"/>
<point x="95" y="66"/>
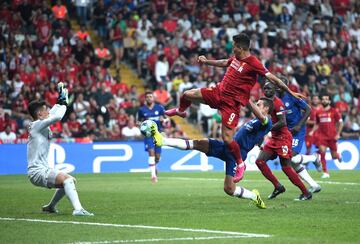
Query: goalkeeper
<point x="39" y="172"/>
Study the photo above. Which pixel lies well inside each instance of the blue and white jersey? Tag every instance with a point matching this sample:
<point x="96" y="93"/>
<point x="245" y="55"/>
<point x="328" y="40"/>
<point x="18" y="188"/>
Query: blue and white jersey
<point x="247" y="137"/>
<point x="154" y="114"/>
<point x="294" y="110"/>
<point x="251" y="134"/>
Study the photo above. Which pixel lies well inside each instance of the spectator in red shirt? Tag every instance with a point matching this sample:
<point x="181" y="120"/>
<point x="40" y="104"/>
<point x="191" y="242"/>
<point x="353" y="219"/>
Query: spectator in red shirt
<point x="56" y="129"/>
<point x="252" y="7"/>
<point x="51" y="95"/>
<point x="170" y="23"/>
<point x="74" y="125"/>
<point x="43" y="29"/>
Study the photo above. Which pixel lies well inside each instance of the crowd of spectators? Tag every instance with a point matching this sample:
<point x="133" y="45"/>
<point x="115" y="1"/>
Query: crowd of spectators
<point x="315" y="44"/>
<point x="38" y="49"/>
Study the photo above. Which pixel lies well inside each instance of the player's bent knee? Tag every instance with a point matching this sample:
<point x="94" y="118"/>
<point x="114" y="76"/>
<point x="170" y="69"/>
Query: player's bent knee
<point x="61" y="177"/>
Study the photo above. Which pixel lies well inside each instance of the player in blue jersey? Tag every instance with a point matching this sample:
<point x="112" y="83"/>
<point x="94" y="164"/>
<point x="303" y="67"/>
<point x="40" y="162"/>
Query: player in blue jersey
<point x="155" y="112"/>
<point x="297" y="113"/>
<point x="249" y="135"/>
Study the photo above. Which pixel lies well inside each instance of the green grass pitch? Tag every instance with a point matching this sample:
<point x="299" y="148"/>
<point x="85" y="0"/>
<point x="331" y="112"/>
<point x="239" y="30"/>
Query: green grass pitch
<point x="181" y="208"/>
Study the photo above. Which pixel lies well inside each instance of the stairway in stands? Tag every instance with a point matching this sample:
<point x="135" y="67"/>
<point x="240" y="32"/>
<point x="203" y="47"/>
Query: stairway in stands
<point x="129" y="77"/>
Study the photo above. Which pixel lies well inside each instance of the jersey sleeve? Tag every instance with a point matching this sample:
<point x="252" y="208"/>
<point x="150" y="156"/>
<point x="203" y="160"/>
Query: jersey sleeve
<point x="56" y="113"/>
<point x="258" y="67"/>
<point x="301" y="103"/>
<point x="279" y="106"/>
<point x="140" y="115"/>
<point x="229" y="61"/>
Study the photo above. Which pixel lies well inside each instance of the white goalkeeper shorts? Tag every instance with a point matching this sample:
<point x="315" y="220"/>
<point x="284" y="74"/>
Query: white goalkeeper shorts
<point x="43" y="177"/>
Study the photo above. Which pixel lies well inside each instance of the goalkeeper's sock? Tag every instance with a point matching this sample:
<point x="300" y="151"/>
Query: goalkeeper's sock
<point x="58" y="195"/>
<point x="152" y="166"/>
<point x="241" y="192"/>
<point x="71" y="193"/>
<point x="178" y="143"/>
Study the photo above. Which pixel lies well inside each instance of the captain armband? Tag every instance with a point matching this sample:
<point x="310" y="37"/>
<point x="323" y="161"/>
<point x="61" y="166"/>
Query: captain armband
<point x="266" y="120"/>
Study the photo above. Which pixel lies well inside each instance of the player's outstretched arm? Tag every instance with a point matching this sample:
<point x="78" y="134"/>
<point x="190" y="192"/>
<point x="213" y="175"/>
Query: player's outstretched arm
<point x="255" y="109"/>
<point x="218" y="63"/>
<point x="275" y="80"/>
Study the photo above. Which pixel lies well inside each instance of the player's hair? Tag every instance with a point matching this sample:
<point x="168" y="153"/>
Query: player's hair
<point x="34" y="107"/>
<point x="268" y="103"/>
<point x="324" y="94"/>
<point x="242" y="40"/>
<point x="149" y="92"/>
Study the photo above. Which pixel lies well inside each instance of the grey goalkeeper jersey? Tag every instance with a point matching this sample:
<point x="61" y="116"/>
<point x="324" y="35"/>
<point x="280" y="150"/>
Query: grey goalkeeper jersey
<point x="39" y="137"/>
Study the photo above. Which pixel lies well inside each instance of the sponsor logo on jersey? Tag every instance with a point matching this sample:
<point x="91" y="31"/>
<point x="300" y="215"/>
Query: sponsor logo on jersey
<point x="325" y="120"/>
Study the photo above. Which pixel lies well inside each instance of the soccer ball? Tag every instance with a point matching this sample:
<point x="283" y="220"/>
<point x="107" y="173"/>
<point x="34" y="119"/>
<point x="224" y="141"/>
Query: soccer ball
<point x="145" y="127"/>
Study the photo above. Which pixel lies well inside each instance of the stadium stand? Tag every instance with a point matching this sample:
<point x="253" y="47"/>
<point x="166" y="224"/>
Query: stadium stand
<point x="315" y="44"/>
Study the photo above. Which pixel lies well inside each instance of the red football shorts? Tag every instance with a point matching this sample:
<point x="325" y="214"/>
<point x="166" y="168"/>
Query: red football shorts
<point x="279" y="146"/>
<point x="330" y="143"/>
<point x="228" y="108"/>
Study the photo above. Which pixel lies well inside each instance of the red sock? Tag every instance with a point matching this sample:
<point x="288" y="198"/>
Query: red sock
<point x="294" y="178"/>
<point x="266" y="171"/>
<point x="184" y="103"/>
<point x="323" y="161"/>
<point x="235" y="150"/>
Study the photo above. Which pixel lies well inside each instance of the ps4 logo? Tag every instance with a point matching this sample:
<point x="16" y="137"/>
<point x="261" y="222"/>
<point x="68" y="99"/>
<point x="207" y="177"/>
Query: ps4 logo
<point x="56" y="159"/>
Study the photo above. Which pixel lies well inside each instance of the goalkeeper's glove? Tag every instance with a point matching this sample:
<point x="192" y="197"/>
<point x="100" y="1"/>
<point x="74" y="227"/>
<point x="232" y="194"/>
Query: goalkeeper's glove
<point x="63" y="98"/>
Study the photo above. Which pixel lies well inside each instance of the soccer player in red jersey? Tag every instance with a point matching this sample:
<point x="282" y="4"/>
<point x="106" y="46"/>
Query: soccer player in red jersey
<point x="280" y="145"/>
<point x="315" y="107"/>
<point x="231" y="93"/>
<point x="327" y="129"/>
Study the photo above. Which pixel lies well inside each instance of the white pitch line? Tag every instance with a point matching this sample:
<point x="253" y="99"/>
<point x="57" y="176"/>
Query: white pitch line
<point x="137" y="226"/>
<point x="213" y="179"/>
<point x="347" y="202"/>
<point x="162" y="239"/>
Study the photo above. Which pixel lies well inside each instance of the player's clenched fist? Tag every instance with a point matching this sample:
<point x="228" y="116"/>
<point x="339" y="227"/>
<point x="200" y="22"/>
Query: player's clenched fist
<point x="202" y="59"/>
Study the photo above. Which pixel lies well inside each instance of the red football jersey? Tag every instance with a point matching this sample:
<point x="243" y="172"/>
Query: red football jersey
<point x="279" y="108"/>
<point x="240" y="77"/>
<point x="326" y="120"/>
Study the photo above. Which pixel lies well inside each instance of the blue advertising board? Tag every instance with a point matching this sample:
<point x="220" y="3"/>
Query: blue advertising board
<point x="124" y="156"/>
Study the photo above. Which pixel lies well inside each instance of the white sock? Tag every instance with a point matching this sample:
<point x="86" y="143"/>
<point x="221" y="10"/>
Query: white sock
<point x="59" y="193"/>
<point x="336" y="161"/>
<point x="178" y="143"/>
<point x="244" y="193"/>
<point x="71" y="193"/>
<point x="303" y="159"/>
<point x="304" y="175"/>
<point x="152" y="165"/>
